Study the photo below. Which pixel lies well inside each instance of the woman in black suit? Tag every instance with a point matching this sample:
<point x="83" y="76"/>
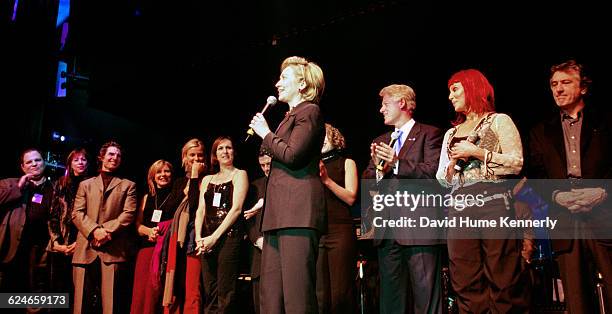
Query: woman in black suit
<point x="294" y="214"/>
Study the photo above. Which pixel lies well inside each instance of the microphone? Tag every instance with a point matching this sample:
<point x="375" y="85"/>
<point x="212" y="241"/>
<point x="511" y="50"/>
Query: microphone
<point x="270" y="102"/>
<point x="394" y="137"/>
<point x="461" y="163"/>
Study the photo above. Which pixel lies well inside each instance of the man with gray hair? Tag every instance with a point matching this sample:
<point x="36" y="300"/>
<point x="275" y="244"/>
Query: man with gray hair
<point x="575" y="144"/>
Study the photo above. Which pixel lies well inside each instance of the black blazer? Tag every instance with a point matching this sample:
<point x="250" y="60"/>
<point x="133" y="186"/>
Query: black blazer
<point x="295" y="196"/>
<point x="547" y="160"/>
<point x="257" y="190"/>
<point x="418" y="159"/>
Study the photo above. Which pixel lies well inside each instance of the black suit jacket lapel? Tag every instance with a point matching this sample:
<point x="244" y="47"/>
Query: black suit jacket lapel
<point x="589" y="123"/>
<point x="290" y="115"/>
<point x="285" y="119"/>
<point x="554" y="131"/>
<point x="410" y="139"/>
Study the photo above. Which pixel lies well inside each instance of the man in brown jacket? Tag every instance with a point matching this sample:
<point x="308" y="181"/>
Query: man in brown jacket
<point x="24" y="213"/>
<point x="104" y="210"/>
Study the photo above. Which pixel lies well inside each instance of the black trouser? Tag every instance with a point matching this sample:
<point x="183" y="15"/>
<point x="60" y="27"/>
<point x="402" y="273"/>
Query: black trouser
<point x="255" y="262"/>
<point x="336" y="270"/>
<point x="220" y="275"/>
<point x="255" y="283"/>
<point x="486" y="267"/>
<point x="578" y="269"/>
<point x="410" y="278"/>
<point x="27" y="272"/>
<point x="60" y="277"/>
<point x="288" y="271"/>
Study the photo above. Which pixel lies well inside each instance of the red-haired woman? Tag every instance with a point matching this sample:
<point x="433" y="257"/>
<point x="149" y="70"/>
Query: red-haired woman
<point x="62" y="231"/>
<point x="219" y="227"/>
<point x="338" y="247"/>
<point x="479" y="152"/>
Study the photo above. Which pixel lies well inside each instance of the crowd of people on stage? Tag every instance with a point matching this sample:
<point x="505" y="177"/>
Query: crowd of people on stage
<point x="177" y="248"/>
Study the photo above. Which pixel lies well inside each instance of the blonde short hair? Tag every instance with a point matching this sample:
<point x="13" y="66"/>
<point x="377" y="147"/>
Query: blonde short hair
<point x="312" y="75"/>
<point x="192" y="143"/>
<point x="155" y="167"/>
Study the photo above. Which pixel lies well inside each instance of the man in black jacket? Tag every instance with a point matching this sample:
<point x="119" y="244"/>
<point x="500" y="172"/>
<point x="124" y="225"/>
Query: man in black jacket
<point x="576" y="145"/>
<point x="409" y="260"/>
<point x="24" y="214"/>
<point x="257" y="194"/>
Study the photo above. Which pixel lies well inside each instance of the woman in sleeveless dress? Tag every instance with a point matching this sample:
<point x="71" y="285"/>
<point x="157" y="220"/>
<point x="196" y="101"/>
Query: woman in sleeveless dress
<point x="219" y="227"/>
<point x="337" y="257"/>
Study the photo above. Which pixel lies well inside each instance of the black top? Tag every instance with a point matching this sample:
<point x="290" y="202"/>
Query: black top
<point x="216" y="214"/>
<point x="257" y="190"/>
<point x="60" y="220"/>
<point x="107" y="177"/>
<point x="338" y="212"/>
<point x="178" y="188"/>
<point x="37" y="210"/>
<point x="164" y="200"/>
<point x="193" y="198"/>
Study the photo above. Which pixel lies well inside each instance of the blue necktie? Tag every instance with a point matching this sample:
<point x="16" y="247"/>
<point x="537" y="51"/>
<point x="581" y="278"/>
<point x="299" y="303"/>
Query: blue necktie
<point x="398" y="143"/>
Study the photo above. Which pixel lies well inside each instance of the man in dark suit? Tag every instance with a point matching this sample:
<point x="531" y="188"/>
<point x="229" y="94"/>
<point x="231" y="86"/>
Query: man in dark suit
<point x="410" y="263"/>
<point x="24" y="213"/>
<point x="257" y="194"/>
<point x="576" y="144"/>
<point x="294" y="213"/>
<point x="104" y="210"/>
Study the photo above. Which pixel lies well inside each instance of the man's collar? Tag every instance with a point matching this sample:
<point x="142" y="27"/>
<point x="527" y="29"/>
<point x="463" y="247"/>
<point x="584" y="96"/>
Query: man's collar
<point x="40" y="181"/>
<point x="565" y="116"/>
<point x="407" y="126"/>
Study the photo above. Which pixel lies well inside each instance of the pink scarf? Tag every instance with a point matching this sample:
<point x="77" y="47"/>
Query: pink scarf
<point x="156" y="257"/>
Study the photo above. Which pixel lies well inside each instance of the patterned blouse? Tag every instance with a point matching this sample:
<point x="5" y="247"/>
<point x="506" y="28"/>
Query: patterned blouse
<point x="499" y="138"/>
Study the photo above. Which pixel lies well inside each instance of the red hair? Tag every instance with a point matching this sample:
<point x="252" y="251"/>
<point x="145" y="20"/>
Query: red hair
<point x="214" y="162"/>
<point x="66" y="179"/>
<point x="479" y="95"/>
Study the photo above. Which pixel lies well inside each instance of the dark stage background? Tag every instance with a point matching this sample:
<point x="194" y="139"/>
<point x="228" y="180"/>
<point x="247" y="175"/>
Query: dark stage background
<point x="161" y="72"/>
